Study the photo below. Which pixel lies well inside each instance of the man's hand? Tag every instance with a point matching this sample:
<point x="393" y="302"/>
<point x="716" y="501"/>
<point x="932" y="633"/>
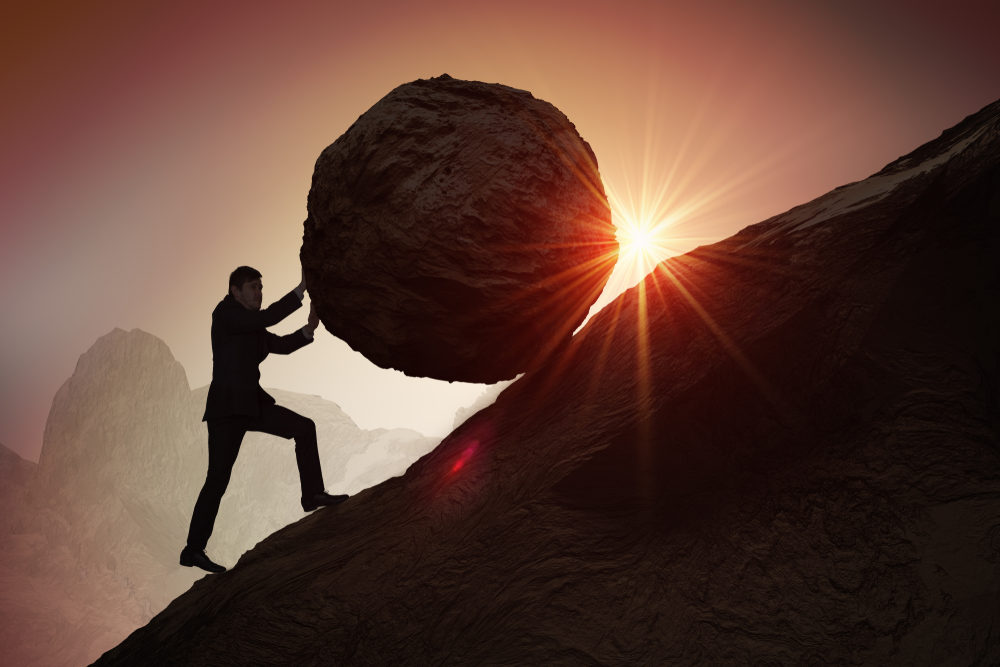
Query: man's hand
<point x="313" y="317"/>
<point x="302" y="282"/>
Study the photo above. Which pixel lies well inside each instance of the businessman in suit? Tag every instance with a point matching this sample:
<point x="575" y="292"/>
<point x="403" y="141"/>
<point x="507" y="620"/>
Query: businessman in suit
<point x="237" y="404"/>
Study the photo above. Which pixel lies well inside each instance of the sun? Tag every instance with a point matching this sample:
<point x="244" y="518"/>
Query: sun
<point x="638" y="239"/>
<point x="643" y="243"/>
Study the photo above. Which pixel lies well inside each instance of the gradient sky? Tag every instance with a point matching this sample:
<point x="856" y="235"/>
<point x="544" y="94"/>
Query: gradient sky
<point x="149" y="148"/>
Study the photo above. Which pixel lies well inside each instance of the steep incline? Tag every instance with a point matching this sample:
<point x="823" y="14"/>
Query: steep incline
<point x="779" y="448"/>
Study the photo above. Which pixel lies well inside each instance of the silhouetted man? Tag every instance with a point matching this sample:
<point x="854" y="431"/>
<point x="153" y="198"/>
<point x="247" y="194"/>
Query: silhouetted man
<point x="237" y="404"/>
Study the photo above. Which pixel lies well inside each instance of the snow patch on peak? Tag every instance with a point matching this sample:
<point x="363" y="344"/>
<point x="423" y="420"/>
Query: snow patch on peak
<point x="848" y="198"/>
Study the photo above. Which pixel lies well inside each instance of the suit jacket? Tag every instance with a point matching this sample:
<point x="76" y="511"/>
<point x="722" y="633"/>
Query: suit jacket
<point x="240" y="341"/>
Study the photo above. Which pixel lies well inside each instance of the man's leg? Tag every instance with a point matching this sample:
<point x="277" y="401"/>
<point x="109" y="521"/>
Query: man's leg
<point x="285" y="423"/>
<point x="224" y="439"/>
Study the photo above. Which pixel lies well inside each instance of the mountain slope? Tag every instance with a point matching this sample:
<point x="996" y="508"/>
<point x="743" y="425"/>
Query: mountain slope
<point x="778" y="448"/>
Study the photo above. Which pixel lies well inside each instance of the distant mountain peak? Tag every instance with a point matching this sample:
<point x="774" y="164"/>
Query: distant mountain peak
<point x="122" y="376"/>
<point x="970" y="144"/>
<point x="119" y="347"/>
<point x="952" y="141"/>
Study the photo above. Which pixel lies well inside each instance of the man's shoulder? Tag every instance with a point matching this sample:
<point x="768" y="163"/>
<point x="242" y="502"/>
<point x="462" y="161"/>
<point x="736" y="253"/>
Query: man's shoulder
<point x="226" y="303"/>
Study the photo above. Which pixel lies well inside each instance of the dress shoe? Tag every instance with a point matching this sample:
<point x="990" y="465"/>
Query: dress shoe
<point x="190" y="557"/>
<point x="321" y="499"/>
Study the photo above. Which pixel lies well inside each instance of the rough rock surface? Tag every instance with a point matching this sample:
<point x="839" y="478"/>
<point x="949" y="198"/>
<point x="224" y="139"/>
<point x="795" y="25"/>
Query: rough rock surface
<point x="795" y="461"/>
<point x="458" y="230"/>
<point x="91" y="535"/>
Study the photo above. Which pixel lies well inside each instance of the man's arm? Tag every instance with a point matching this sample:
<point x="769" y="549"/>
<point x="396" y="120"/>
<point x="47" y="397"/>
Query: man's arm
<point x="295" y="340"/>
<point x="241" y="320"/>
<point x="288" y="343"/>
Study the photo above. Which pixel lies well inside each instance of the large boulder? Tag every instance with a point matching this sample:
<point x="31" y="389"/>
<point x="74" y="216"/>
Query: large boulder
<point x="458" y="230"/>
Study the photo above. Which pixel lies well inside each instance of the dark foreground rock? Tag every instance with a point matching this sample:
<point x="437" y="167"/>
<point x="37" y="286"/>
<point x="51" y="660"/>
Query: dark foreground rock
<point x="458" y="230"/>
<point x="779" y="449"/>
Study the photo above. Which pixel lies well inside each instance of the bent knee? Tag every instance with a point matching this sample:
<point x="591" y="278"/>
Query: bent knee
<point x="305" y="427"/>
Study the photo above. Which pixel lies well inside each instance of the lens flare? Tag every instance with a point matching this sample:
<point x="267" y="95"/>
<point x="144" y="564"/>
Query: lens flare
<point x="643" y="243"/>
<point x="465" y="456"/>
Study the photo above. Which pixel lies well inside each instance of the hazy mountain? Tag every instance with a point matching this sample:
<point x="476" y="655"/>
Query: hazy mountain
<point x="90" y="548"/>
<point x="485" y="399"/>
<point x="778" y="449"/>
<point x="14" y="470"/>
<point x="14" y="475"/>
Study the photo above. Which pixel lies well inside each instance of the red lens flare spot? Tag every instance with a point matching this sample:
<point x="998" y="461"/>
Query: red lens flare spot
<point x="465" y="456"/>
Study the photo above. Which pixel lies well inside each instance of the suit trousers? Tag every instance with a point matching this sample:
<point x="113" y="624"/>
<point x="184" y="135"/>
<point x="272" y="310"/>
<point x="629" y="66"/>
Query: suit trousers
<point x="224" y="439"/>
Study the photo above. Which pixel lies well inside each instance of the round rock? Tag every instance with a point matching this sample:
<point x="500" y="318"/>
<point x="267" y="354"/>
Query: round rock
<point x="458" y="230"/>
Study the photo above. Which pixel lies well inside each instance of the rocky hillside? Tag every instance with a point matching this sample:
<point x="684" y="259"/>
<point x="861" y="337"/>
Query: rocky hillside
<point x="778" y="449"/>
<point x="90" y="544"/>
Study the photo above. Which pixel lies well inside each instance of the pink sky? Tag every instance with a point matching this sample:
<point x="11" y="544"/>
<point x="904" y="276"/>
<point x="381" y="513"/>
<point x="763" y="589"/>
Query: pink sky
<point x="148" y="151"/>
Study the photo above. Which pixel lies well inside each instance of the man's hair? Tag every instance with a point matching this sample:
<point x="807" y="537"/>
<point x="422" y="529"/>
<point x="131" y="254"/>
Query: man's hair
<point x="242" y="275"/>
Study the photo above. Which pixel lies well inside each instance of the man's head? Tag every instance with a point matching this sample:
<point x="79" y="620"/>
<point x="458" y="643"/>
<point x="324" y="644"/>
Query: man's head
<point x="246" y="287"/>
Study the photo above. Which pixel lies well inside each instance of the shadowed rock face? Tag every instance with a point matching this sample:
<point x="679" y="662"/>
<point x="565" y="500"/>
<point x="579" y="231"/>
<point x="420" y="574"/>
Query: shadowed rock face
<point x="796" y="461"/>
<point x="458" y="230"/>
